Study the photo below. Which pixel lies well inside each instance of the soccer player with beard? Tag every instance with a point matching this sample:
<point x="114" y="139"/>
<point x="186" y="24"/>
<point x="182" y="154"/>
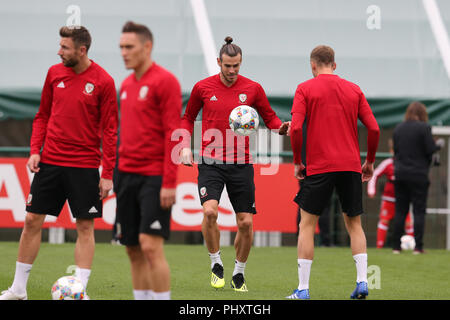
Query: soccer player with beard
<point x="223" y="162"/>
<point x="150" y="105"/>
<point x="77" y="115"/>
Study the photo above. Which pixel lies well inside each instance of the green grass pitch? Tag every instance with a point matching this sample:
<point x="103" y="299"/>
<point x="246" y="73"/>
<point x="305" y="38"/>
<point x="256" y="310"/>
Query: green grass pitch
<point x="271" y="273"/>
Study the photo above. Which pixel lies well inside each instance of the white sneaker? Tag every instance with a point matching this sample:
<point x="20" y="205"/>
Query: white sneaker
<point x="9" y="295"/>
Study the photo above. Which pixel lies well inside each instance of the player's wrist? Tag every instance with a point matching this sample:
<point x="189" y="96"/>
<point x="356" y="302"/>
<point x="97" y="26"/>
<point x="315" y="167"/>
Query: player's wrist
<point x="106" y="176"/>
<point x="185" y="152"/>
<point x="169" y="185"/>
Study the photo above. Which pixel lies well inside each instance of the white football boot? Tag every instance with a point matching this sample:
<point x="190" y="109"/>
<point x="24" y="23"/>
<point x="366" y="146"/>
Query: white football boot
<point x="9" y="295"/>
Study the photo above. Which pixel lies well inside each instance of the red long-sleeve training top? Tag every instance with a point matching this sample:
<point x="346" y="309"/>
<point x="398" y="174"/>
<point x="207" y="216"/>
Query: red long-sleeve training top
<point x="77" y="119"/>
<point x="332" y="107"/>
<point x="217" y="101"/>
<point x="150" y="110"/>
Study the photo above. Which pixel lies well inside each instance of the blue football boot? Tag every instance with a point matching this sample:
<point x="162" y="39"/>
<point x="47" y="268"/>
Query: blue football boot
<point x="299" y="295"/>
<point x="361" y="291"/>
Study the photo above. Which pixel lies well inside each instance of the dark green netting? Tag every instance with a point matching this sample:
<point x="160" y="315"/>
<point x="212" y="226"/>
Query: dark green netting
<point x="24" y="103"/>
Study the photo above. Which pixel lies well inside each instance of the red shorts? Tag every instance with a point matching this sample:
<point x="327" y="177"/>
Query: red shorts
<point x="387" y="211"/>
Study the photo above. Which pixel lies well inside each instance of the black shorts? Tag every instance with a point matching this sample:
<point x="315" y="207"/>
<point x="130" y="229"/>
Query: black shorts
<point x="139" y="208"/>
<point x="239" y="180"/>
<point x="317" y="189"/>
<point x="53" y="185"/>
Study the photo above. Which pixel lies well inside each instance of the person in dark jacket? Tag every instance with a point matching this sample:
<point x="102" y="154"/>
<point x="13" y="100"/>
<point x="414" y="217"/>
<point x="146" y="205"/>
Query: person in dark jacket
<point x="413" y="149"/>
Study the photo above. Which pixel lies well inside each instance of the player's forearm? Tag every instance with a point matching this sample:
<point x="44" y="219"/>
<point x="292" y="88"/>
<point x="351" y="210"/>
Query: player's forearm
<point x="108" y="162"/>
<point x="188" y="126"/>
<point x="297" y="135"/>
<point x="109" y="145"/>
<point x="373" y="137"/>
<point x="296" y="143"/>
<point x="40" y="122"/>
<point x="268" y="115"/>
<point x="38" y="134"/>
<point x="274" y="123"/>
<point x="169" y="179"/>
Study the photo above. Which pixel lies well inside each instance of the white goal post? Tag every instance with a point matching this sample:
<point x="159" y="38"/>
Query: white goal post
<point x="444" y="131"/>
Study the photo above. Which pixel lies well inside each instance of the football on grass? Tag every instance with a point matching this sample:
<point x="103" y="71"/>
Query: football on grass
<point x="407" y="242"/>
<point x="68" y="288"/>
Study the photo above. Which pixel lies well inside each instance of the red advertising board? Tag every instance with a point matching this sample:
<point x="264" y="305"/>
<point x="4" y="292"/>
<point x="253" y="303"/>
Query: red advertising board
<point x="275" y="190"/>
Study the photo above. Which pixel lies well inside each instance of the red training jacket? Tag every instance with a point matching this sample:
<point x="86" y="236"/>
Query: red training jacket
<point x="216" y="101"/>
<point x="332" y="107"/>
<point x="150" y="111"/>
<point x="77" y="119"/>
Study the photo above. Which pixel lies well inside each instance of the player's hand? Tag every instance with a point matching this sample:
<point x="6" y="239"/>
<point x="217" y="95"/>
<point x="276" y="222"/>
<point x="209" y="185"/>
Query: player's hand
<point x="33" y="163"/>
<point x="298" y="171"/>
<point x="104" y="186"/>
<point x="285" y="128"/>
<point x="371" y="195"/>
<point x="367" y="171"/>
<point x="186" y="157"/>
<point x="167" y="197"/>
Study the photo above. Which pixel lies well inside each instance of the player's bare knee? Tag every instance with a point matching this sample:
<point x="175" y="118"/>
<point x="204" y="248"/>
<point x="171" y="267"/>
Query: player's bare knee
<point x="151" y="247"/>
<point x="152" y="252"/>
<point x="352" y="221"/>
<point x="85" y="227"/>
<point x="210" y="214"/>
<point x="134" y="252"/>
<point x="33" y="222"/>
<point x="245" y="225"/>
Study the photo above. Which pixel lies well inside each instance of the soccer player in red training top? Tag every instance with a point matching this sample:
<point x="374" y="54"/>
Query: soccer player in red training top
<point x="150" y="105"/>
<point x="331" y="107"/>
<point x="223" y="162"/>
<point x="387" y="210"/>
<point x="77" y="114"/>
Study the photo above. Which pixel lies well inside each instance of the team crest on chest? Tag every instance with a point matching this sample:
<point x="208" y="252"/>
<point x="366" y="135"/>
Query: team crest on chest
<point x="143" y="92"/>
<point x="88" y="88"/>
<point x="242" y="97"/>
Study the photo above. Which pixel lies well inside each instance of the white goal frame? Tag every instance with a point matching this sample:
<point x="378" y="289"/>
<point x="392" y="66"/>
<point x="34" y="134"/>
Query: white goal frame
<point x="444" y="131"/>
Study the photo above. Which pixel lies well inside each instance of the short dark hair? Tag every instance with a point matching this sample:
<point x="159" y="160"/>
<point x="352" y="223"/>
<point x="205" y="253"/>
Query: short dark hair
<point x="79" y="35"/>
<point x="229" y="48"/>
<point x="322" y="55"/>
<point x="416" y="111"/>
<point x="141" y="30"/>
